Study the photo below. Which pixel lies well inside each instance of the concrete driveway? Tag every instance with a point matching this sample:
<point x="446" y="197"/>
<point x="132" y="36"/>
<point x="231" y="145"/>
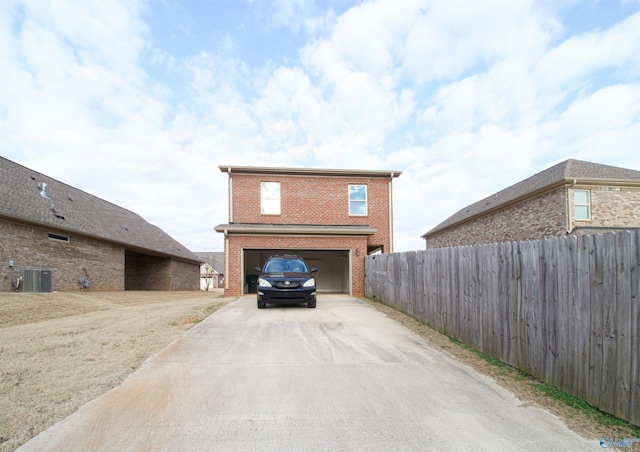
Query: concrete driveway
<point x="339" y="377"/>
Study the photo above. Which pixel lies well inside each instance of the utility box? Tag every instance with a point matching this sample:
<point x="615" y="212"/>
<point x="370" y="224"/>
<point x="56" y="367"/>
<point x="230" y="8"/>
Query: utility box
<point x="36" y="280"/>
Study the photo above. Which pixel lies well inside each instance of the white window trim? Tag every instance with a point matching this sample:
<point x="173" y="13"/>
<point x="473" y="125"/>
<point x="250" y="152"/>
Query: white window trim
<point x="366" y="200"/>
<point x="268" y="211"/>
<point x="588" y="205"/>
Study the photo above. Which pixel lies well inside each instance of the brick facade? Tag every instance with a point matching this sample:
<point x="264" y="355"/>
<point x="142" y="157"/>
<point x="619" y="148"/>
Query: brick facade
<point x="549" y="214"/>
<point x="307" y="198"/>
<point x="236" y="245"/>
<point x="320" y="200"/>
<point x="538" y="217"/>
<point x="611" y="207"/>
<point x="103" y="264"/>
<point x="30" y="248"/>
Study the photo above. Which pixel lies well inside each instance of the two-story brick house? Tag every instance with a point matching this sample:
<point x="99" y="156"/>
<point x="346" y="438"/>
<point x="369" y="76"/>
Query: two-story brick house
<point x="572" y="197"/>
<point x="333" y="218"/>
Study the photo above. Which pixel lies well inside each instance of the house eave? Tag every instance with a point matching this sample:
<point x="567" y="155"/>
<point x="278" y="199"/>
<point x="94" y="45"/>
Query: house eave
<point x="307" y="171"/>
<point x="270" y="229"/>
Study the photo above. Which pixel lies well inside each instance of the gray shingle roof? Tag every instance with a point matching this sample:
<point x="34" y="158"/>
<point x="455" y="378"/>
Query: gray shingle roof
<point x="562" y="172"/>
<point x="61" y="207"/>
<point x="213" y="258"/>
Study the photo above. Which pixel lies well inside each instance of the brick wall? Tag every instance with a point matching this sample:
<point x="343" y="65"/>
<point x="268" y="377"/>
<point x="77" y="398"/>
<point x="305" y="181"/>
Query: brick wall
<point x="146" y="272"/>
<point x="103" y="264"/>
<point x="237" y="242"/>
<point x="31" y="248"/>
<point x="535" y="218"/>
<point x="314" y="200"/>
<point x="545" y="216"/>
<point x="614" y="207"/>
<point x="184" y="275"/>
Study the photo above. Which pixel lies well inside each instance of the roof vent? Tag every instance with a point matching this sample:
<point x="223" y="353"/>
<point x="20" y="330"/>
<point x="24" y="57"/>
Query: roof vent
<point x="43" y="193"/>
<point x="56" y="214"/>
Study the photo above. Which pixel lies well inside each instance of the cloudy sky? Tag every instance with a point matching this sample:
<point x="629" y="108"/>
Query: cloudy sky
<point x="138" y="102"/>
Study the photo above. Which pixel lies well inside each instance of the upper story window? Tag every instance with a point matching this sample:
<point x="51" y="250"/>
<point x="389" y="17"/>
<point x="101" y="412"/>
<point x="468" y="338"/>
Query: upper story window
<point x="270" y="198"/>
<point x="358" y="200"/>
<point x="582" y="204"/>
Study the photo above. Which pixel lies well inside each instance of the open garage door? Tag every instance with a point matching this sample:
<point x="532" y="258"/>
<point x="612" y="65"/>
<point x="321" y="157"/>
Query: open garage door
<point x="333" y="266"/>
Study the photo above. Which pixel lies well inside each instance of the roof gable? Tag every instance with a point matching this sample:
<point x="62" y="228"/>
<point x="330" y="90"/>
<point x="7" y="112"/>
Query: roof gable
<point x="559" y="174"/>
<point x="213" y="258"/>
<point x="32" y="197"/>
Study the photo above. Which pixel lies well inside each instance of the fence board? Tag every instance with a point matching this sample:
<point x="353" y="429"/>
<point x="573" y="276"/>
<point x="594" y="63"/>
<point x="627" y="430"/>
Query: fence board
<point x="453" y="293"/>
<point x="583" y="316"/>
<point x="554" y="363"/>
<point x="623" y="325"/>
<point x="607" y="389"/>
<point x="634" y="400"/>
<point x="595" y="328"/>
<point x="505" y="280"/>
<point x="547" y="304"/>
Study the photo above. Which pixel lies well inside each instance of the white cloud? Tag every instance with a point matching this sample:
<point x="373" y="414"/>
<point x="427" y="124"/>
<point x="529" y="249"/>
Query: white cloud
<point x="604" y="123"/>
<point x="450" y="39"/>
<point x="582" y="56"/>
<point x="465" y="97"/>
<point x="291" y="13"/>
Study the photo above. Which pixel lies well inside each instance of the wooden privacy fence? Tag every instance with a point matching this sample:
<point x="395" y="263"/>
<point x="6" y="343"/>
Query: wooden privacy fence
<point x="565" y="310"/>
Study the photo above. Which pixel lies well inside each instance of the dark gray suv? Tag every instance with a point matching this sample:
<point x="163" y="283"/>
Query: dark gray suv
<point x="286" y="279"/>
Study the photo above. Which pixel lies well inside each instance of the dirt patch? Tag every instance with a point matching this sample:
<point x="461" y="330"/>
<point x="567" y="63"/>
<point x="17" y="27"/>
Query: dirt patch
<point x="522" y="385"/>
<point x="62" y="350"/>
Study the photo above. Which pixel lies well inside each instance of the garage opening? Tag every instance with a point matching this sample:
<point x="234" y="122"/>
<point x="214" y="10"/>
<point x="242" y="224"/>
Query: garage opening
<point x="333" y="266"/>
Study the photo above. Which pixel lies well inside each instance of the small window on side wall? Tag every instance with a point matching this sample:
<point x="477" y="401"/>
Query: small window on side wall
<point x="358" y="200"/>
<point x="582" y="204"/>
<point x="270" y="198"/>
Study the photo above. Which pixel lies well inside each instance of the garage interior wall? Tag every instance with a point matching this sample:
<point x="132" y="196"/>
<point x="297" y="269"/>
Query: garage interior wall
<point x="333" y="275"/>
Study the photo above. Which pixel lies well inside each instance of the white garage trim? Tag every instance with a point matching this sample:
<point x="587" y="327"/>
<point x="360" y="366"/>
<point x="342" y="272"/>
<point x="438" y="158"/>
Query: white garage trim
<point x="333" y="276"/>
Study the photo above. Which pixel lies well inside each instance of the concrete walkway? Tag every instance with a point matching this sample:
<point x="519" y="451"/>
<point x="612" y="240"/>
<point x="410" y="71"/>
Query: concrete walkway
<point x="339" y="377"/>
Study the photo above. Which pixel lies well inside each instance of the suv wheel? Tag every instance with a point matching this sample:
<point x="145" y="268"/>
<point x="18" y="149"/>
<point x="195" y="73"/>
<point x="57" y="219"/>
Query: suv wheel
<point x="261" y="304"/>
<point x="311" y="304"/>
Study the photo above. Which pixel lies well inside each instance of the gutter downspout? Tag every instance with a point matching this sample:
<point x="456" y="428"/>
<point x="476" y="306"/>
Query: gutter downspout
<point x="573" y="183"/>
<point x="230" y="197"/>
<point x="226" y="233"/>
<point x="391" y="212"/>
<point x="226" y="260"/>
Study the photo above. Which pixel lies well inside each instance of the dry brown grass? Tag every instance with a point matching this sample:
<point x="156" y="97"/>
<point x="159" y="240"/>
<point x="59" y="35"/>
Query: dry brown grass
<point x="61" y="350"/>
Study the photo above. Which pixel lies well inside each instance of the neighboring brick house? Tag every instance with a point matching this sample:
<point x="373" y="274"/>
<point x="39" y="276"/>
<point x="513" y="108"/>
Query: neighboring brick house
<point x="48" y="225"/>
<point x="332" y="218"/>
<point x="572" y="197"/>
